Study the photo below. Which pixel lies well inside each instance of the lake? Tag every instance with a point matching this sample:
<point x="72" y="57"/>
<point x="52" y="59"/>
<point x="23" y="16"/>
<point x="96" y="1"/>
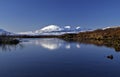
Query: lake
<point x="51" y="57"/>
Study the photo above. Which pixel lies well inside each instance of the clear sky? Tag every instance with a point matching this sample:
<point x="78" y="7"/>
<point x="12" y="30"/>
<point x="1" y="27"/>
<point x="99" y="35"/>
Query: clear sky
<point x="25" y="15"/>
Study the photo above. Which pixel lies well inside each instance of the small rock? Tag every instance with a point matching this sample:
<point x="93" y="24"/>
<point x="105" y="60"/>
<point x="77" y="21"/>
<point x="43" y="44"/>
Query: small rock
<point x="110" y="57"/>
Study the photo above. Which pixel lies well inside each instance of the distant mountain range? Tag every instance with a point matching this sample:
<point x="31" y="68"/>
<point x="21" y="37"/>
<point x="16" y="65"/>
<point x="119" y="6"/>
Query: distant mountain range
<point x="53" y="30"/>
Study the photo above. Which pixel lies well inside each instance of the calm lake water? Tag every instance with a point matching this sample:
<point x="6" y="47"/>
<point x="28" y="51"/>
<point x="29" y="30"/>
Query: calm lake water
<point x="58" y="58"/>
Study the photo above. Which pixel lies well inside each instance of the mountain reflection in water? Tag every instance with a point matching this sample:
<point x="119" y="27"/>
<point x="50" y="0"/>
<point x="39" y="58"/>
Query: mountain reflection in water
<point x="52" y="43"/>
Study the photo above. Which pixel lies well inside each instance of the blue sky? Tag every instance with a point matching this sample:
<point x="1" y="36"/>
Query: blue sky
<point x="25" y="15"/>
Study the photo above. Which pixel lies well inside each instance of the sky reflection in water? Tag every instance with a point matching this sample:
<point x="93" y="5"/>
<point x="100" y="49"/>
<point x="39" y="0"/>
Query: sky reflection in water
<point x="32" y="58"/>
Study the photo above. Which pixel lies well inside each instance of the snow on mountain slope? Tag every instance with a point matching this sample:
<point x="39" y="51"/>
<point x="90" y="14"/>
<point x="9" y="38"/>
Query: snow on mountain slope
<point x="50" y="28"/>
<point x="110" y="27"/>
<point x="67" y="27"/>
<point x="78" y="27"/>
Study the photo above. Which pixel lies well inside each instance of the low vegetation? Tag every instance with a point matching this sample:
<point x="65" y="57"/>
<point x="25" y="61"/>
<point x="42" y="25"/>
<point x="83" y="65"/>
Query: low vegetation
<point x="109" y="37"/>
<point x="99" y="34"/>
<point x="4" y="39"/>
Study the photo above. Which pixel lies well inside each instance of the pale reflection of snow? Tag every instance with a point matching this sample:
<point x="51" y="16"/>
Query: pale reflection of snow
<point x="48" y="46"/>
<point x="51" y="44"/>
<point x="78" y="45"/>
<point x="68" y="46"/>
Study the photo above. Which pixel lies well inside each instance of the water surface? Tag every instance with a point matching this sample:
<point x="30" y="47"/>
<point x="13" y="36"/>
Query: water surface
<point x="57" y="58"/>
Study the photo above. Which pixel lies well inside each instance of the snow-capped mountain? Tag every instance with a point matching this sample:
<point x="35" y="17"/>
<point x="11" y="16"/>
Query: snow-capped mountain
<point x="3" y="32"/>
<point x="50" y="28"/>
<point x="53" y="30"/>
